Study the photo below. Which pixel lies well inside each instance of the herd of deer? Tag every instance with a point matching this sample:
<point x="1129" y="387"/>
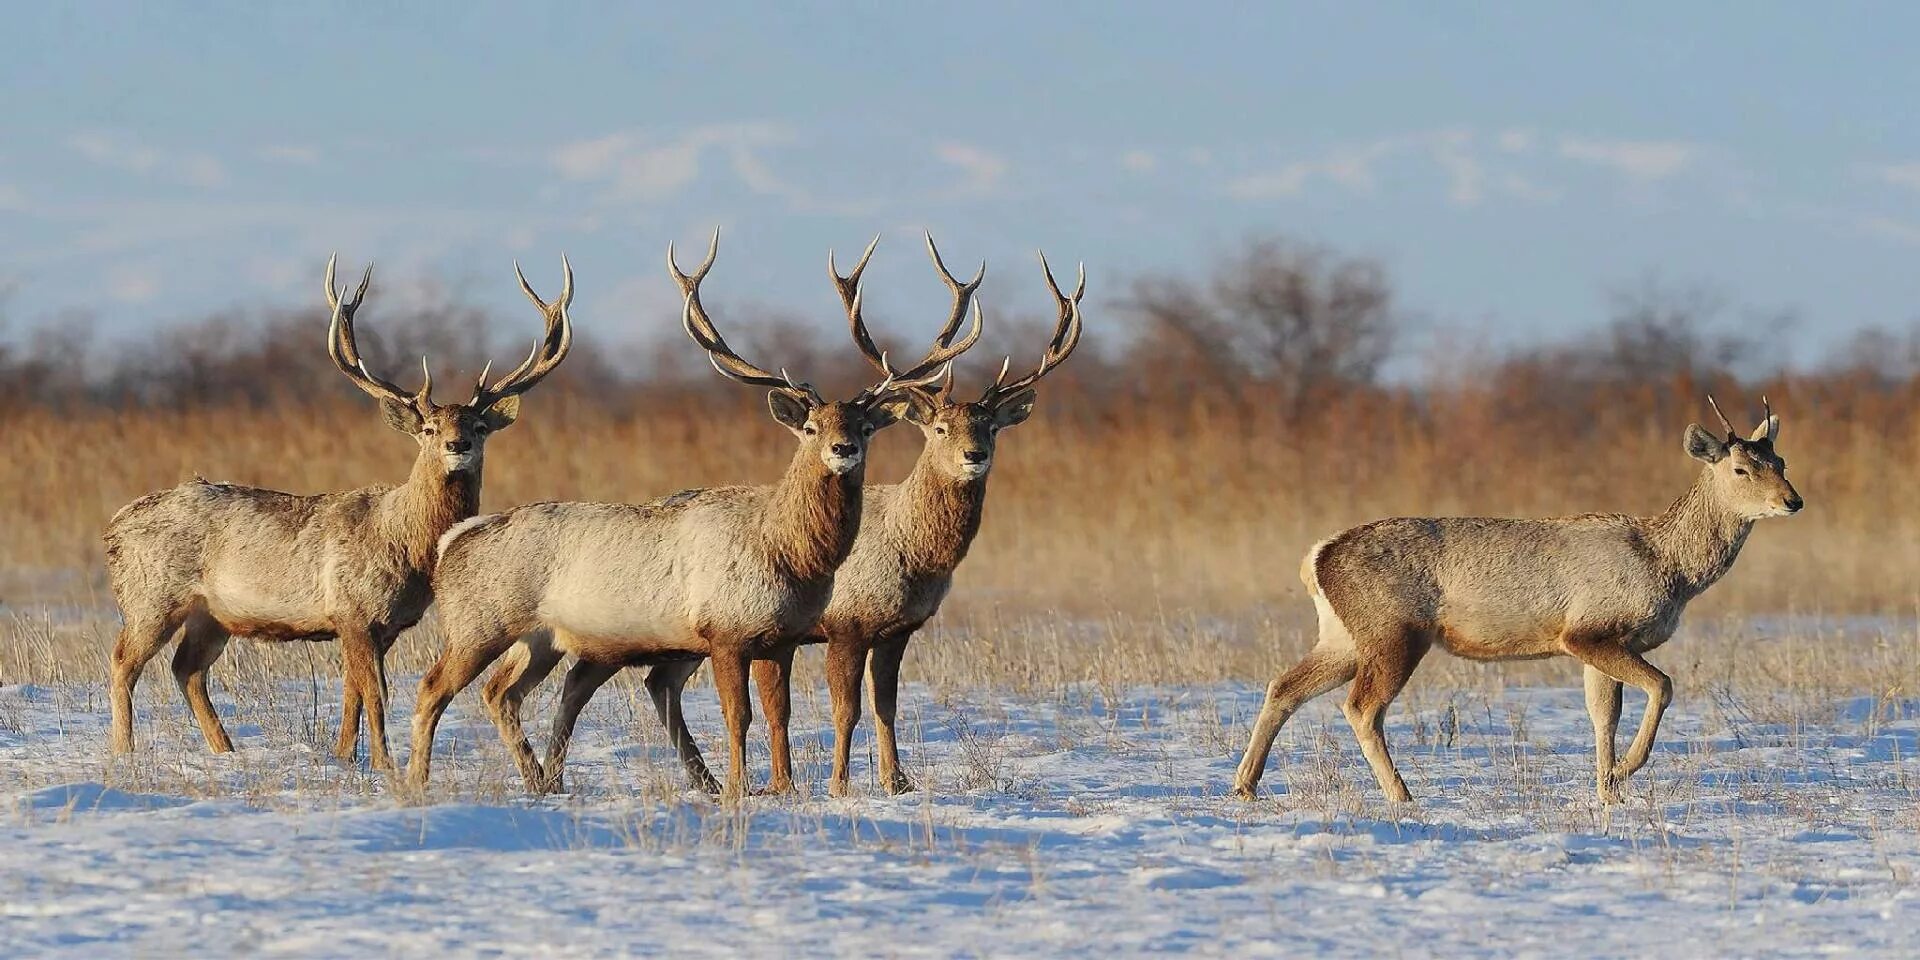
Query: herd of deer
<point x="743" y="575"/>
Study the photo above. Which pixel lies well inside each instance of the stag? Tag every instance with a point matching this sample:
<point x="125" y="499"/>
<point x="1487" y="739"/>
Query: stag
<point x="726" y="573"/>
<point x="913" y="535"/>
<point x="214" y="560"/>
<point x="1601" y="588"/>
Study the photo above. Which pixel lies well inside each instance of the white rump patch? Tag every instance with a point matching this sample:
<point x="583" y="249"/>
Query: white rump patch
<point x="464" y="526"/>
<point x="1333" y="630"/>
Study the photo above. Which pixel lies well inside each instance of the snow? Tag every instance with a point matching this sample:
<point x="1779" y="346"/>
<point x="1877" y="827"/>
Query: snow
<point x="1051" y="822"/>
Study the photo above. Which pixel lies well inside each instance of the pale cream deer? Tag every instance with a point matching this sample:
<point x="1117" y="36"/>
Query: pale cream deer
<point x="214" y="560"/>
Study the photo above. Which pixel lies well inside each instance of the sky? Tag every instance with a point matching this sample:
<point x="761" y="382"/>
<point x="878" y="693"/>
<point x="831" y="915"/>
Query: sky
<point x="1510" y="164"/>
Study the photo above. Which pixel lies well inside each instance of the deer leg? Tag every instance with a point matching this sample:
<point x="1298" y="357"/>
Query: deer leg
<point x="773" y="676"/>
<point x="1603" y="705"/>
<point x="664" y="685"/>
<point x="364" y="666"/>
<point x="583" y="679"/>
<point x="846" y="661"/>
<point x="1383" y="672"/>
<point x="883" y="678"/>
<point x="458" y="665"/>
<point x="140" y="639"/>
<point x="1325" y="667"/>
<point x="350" y="700"/>
<point x="1612" y="658"/>
<point x="201" y="645"/>
<point x="520" y="671"/>
<point x="730" y="668"/>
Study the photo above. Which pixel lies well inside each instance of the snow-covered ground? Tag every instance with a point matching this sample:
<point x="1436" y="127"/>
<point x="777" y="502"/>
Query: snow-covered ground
<point x="1053" y="823"/>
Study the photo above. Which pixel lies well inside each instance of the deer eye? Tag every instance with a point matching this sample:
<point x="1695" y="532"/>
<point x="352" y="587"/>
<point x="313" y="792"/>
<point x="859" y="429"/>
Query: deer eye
<point x="941" y="431"/>
<point x="810" y="429"/>
<point x="1739" y="471"/>
<point x="429" y="429"/>
<point x="481" y="428"/>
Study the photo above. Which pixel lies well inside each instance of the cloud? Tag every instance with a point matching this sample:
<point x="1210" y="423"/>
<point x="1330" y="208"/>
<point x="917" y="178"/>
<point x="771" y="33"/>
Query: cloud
<point x="122" y="152"/>
<point x="1905" y="175"/>
<point x="1350" y="167"/>
<point x="1642" y="160"/>
<point x="1453" y="151"/>
<point x="1890" y="228"/>
<point x="1139" y="161"/>
<point x="290" y="153"/>
<point x="1516" y="141"/>
<point x="980" y="171"/>
<point x="642" y="167"/>
<point x="133" y="283"/>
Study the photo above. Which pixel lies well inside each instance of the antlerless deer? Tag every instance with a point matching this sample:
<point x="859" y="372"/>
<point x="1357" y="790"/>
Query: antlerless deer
<point x="1601" y="588"/>
<point x="213" y="560"/>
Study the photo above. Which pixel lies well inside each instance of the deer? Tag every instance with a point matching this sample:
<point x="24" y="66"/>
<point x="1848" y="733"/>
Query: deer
<point x="210" y="561"/>
<point x="723" y="574"/>
<point x="912" y="537"/>
<point x="1604" y="589"/>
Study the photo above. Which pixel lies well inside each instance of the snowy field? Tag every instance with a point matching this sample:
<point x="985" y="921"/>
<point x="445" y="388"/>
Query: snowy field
<point x="1051" y="823"/>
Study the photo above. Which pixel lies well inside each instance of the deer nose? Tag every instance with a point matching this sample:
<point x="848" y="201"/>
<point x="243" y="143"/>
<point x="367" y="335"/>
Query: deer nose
<point x="459" y="446"/>
<point x="845" y="449"/>
<point x="1794" y="503"/>
<point x="975" y="456"/>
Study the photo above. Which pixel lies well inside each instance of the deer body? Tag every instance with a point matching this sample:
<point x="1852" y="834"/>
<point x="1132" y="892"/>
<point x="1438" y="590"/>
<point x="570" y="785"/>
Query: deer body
<point x="215" y="560"/>
<point x="1602" y="588"/>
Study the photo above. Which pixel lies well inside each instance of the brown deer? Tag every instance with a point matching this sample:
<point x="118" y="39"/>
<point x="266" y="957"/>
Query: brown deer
<point x="214" y="560"/>
<point x="725" y="573"/>
<point x="1601" y="588"/>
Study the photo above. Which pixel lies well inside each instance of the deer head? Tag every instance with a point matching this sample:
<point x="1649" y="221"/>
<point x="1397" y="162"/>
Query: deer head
<point x="838" y="431"/>
<point x="1746" y="474"/>
<point x="960" y="434"/>
<point x="456" y="434"/>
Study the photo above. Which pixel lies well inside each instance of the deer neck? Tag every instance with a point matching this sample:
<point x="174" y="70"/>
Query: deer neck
<point x="427" y="506"/>
<point x="1699" y="537"/>
<point x="932" y="518"/>
<point x="812" y="517"/>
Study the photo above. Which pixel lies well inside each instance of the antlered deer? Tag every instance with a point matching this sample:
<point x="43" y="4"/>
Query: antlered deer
<point x="213" y="560"/>
<point x="1601" y="588"/>
<point x="912" y="536"/>
<point x="727" y="572"/>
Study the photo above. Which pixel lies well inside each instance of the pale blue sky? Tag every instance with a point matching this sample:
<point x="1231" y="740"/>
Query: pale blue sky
<point x="1508" y="162"/>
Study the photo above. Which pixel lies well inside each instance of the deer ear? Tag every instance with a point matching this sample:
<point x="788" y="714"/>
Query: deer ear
<point x="888" y="411"/>
<point x="503" y="412"/>
<point x="1768" y="431"/>
<point x="401" y="416"/>
<point x="789" y="411"/>
<point x="1014" y="410"/>
<point x="1704" y="446"/>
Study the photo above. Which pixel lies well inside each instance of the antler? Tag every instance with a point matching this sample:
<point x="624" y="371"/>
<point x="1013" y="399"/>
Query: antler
<point x="700" y="327"/>
<point x="936" y="364"/>
<point x="345" y="353"/>
<point x="1731" y="433"/>
<point x="548" y="350"/>
<point x="1066" y="336"/>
